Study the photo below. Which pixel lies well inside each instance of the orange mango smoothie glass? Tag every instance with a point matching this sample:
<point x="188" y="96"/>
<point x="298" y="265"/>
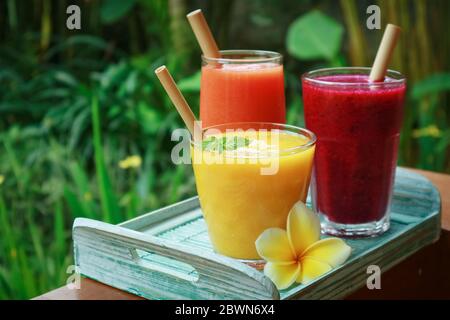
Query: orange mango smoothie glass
<point x="248" y="177"/>
<point x="242" y="86"/>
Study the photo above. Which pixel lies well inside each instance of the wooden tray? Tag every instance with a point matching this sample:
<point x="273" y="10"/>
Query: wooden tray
<point x="166" y="254"/>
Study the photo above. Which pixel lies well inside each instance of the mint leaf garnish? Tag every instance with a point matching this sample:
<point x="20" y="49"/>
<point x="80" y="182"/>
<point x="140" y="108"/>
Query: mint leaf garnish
<point x="221" y="144"/>
<point x="210" y="143"/>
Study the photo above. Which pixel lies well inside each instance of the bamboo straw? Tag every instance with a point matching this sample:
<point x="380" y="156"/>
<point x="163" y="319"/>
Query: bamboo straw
<point x="384" y="53"/>
<point x="178" y="100"/>
<point x="203" y="34"/>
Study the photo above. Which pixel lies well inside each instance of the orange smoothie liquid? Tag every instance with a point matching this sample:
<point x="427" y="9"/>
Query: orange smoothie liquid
<point x="242" y="93"/>
<point x="238" y="202"/>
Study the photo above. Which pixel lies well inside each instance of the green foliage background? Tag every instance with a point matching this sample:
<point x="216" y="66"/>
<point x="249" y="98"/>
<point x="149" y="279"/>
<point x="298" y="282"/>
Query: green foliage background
<point x="73" y="104"/>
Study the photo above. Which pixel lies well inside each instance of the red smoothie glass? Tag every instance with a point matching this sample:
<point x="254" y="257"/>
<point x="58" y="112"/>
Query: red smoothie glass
<point x="357" y="124"/>
<point x="242" y="86"/>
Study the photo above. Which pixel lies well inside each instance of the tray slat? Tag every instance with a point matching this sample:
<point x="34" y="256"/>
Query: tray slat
<point x="166" y="254"/>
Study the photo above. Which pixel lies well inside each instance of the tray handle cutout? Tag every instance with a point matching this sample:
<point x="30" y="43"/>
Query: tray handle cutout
<point x="164" y="264"/>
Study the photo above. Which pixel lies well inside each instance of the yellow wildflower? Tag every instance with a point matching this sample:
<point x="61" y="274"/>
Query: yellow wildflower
<point x="428" y="131"/>
<point x="87" y="196"/>
<point x="2" y="178"/>
<point x="297" y="255"/>
<point x="131" y="162"/>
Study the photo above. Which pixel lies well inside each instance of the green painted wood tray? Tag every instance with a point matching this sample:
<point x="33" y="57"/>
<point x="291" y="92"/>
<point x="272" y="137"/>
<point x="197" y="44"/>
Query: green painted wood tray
<point x="166" y="254"/>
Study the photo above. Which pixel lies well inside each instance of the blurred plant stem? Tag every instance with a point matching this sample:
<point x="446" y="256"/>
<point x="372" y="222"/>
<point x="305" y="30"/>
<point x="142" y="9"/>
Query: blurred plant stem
<point x="179" y="33"/>
<point x="357" y="41"/>
<point x="133" y="33"/>
<point x="220" y="21"/>
<point x="12" y="15"/>
<point x="46" y="25"/>
<point x="110" y="208"/>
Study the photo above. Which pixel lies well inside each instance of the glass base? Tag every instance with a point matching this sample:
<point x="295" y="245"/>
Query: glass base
<point x="257" y="264"/>
<point x="371" y="229"/>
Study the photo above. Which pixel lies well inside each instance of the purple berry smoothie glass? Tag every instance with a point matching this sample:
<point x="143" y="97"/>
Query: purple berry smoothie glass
<point x="357" y="124"/>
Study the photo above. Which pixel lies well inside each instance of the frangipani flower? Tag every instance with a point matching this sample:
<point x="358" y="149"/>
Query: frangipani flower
<point x="297" y="255"/>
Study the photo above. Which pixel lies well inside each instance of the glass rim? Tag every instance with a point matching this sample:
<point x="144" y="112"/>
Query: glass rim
<point x="311" y="136"/>
<point x="259" y="56"/>
<point x="396" y="78"/>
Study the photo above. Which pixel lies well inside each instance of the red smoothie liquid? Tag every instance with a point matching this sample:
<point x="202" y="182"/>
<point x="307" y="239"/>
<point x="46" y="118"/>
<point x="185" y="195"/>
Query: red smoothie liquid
<point x="242" y="93"/>
<point x="358" y="130"/>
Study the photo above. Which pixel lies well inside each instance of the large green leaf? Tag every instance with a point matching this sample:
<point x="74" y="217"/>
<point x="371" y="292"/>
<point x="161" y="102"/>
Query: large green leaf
<point x="314" y="36"/>
<point x="113" y="10"/>
<point x="433" y="84"/>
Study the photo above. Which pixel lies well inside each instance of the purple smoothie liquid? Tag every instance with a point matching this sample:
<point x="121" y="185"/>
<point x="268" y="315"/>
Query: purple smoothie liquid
<point x="358" y="130"/>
